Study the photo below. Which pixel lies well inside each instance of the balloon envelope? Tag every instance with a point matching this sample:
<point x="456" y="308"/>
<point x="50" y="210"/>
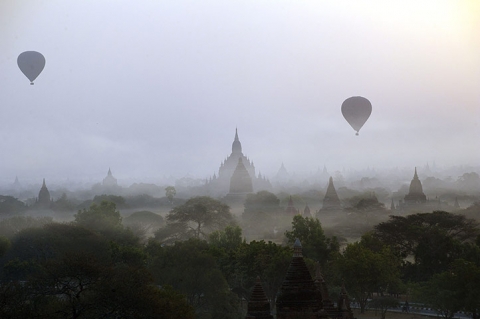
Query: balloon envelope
<point x="31" y="63"/>
<point x="356" y="110"/>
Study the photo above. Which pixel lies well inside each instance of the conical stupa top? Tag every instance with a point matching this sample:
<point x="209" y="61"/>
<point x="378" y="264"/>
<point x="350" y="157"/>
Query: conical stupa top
<point x="297" y="248"/>
<point x="236" y="146"/>
<point x="331" y="199"/>
<point x="258" y="293"/>
<point x="297" y="295"/>
<point x="44" y="195"/>
<point x="16" y="184"/>
<point x="258" y="305"/>
<point x="109" y="180"/>
<point x="415" y="185"/>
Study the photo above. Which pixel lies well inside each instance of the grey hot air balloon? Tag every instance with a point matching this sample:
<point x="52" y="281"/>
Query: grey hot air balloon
<point x="356" y="110"/>
<point x="31" y="63"/>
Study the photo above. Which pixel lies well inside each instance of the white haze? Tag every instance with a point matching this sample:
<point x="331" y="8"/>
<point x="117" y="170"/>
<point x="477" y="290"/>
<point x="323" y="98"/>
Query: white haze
<point x="156" y="88"/>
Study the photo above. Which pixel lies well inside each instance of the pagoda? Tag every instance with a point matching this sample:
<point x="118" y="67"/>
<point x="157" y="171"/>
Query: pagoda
<point x="258" y="305"/>
<point x="415" y="193"/>
<point x="331" y="202"/>
<point x="43" y="200"/>
<point x="298" y="295"/>
<point x="291" y="210"/>
<point x="220" y="184"/>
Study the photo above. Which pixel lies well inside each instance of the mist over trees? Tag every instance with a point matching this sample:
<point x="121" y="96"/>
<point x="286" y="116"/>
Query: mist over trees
<point x="177" y="252"/>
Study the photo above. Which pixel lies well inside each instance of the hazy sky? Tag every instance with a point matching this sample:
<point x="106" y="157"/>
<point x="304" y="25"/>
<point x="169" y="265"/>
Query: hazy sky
<point x="154" y="88"/>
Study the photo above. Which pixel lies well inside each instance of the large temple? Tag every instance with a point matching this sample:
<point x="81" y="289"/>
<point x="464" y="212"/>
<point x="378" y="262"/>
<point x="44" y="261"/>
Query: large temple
<point x="43" y="200"/>
<point x="235" y="174"/>
<point x="109" y="180"/>
<point x="415" y="192"/>
<point x="109" y="185"/>
<point x="417" y="201"/>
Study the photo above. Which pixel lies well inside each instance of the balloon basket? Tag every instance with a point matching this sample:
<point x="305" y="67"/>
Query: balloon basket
<point x="356" y="134"/>
<point x="31" y="83"/>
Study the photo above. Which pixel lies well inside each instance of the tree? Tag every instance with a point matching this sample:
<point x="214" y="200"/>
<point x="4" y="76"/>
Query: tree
<point x="173" y="232"/>
<point x="98" y="199"/>
<point x="434" y="240"/>
<point x="127" y="292"/>
<point x="472" y="211"/>
<point x="262" y="201"/>
<point x="143" y="223"/>
<point x="4" y="245"/>
<point x="10" y="205"/>
<point x="63" y="204"/>
<point x="310" y="233"/>
<point x="469" y="182"/>
<point x="257" y="258"/>
<point x="57" y="260"/>
<point x="453" y="290"/>
<point x="190" y="268"/>
<point x="170" y="193"/>
<point x="260" y="212"/>
<point x="99" y="217"/>
<point x="105" y="220"/>
<point x="228" y="239"/>
<point x="13" y="225"/>
<point x="67" y="271"/>
<point x="366" y="271"/>
<point x="383" y="304"/>
<point x="201" y="215"/>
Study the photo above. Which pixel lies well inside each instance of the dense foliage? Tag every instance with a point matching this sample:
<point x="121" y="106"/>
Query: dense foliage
<point x="200" y="266"/>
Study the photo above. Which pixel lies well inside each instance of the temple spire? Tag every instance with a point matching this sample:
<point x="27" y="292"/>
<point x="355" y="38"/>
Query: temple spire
<point x="298" y="296"/>
<point x="415" y="192"/>
<point x="331" y="200"/>
<point x="236" y="146"/>
<point x="291" y="210"/>
<point x="297" y="248"/>
<point x="258" y="305"/>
